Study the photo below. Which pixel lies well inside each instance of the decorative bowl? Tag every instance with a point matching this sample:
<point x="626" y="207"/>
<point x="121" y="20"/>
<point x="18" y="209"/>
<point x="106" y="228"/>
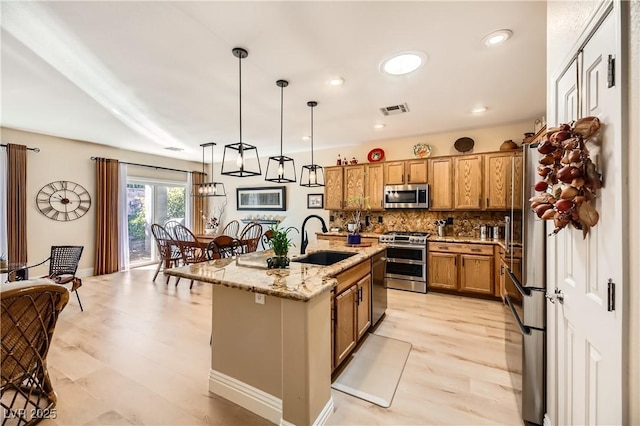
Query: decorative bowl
<point x="422" y="150"/>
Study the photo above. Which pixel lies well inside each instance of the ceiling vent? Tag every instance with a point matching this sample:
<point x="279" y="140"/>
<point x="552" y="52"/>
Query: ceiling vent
<point x="173" y="148"/>
<point x="395" y="109"/>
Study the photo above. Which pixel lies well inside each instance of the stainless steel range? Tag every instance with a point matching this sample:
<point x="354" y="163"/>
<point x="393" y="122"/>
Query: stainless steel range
<point x="406" y="260"/>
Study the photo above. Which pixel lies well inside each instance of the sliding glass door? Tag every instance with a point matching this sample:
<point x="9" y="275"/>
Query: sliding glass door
<point x="151" y="202"/>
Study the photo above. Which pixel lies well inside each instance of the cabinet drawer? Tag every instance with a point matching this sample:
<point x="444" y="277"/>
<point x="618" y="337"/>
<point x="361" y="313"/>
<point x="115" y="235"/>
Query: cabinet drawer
<point x="480" y="249"/>
<point x="352" y="275"/>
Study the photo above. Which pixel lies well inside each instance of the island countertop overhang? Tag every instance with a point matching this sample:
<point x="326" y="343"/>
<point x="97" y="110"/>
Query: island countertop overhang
<point x="300" y="281"/>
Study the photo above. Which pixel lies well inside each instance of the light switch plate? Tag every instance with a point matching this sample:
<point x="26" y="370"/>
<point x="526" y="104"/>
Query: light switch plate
<point x="260" y="298"/>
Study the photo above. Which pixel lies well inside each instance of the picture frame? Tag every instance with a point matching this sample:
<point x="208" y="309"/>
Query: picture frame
<point x="272" y="198"/>
<point x="315" y="201"/>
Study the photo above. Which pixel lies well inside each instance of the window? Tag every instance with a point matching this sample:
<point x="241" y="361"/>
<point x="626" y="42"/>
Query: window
<point x="151" y="202"/>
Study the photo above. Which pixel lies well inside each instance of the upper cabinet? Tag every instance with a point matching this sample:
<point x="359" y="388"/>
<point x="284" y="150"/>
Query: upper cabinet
<point x="333" y="186"/>
<point x="406" y="172"/>
<point x="441" y="183"/>
<point x="374" y="185"/>
<point x="503" y="180"/>
<point x="468" y="179"/>
<point x="345" y="183"/>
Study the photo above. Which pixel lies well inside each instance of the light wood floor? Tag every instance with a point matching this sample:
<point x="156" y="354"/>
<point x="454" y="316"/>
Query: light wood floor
<point x="139" y="354"/>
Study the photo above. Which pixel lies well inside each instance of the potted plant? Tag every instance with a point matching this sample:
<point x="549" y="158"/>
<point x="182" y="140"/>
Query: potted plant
<point x="359" y="204"/>
<point x="280" y="243"/>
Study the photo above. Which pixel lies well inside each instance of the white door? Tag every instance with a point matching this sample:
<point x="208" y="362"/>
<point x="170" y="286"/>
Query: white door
<point x="588" y="337"/>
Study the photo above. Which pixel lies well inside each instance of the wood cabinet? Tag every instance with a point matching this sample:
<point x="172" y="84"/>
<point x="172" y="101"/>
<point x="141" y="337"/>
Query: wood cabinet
<point x="353" y="186"/>
<point x="352" y="310"/>
<point x="502" y="180"/>
<point x="441" y="183"/>
<point x="374" y="185"/>
<point x="468" y="179"/>
<point x="344" y="183"/>
<point x="461" y="267"/>
<point x="333" y="188"/>
<point x="406" y="172"/>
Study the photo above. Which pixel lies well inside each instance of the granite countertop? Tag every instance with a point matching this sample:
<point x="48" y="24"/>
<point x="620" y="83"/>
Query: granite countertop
<point x="470" y="240"/>
<point x="301" y="281"/>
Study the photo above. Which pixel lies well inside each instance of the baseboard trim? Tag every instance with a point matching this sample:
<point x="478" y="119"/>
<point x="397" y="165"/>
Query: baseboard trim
<point x="325" y="413"/>
<point x="86" y="272"/>
<point x="253" y="399"/>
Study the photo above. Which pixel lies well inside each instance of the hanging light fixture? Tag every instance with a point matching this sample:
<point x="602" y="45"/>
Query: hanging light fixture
<point x="312" y="175"/>
<point x="283" y="169"/>
<point x="208" y="189"/>
<point x="244" y="157"/>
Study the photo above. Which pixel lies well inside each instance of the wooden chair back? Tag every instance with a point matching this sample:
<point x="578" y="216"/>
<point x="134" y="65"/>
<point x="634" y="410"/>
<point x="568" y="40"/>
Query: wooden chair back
<point x="191" y="249"/>
<point x="250" y="237"/>
<point x="231" y="229"/>
<point x="223" y="246"/>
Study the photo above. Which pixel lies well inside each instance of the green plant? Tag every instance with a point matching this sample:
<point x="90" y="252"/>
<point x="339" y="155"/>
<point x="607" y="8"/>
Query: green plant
<point x="280" y="241"/>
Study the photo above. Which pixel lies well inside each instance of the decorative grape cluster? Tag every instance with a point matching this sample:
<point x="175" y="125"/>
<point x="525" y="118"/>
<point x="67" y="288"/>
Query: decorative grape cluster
<point x="569" y="177"/>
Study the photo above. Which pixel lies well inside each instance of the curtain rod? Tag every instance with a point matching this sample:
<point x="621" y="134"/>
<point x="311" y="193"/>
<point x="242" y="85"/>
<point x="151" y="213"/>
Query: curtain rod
<point x="29" y="149"/>
<point x="147" y="165"/>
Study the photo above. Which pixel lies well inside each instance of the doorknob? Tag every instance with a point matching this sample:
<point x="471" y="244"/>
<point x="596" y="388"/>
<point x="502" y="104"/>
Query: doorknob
<point x="550" y="297"/>
<point x="559" y="295"/>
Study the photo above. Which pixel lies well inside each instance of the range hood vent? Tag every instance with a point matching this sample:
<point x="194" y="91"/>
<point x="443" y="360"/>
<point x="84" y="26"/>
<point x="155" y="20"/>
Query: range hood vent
<point x="395" y="109"/>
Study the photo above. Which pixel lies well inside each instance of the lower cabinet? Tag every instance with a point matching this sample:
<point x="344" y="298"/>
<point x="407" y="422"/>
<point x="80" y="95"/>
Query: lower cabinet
<point x="351" y="310"/>
<point x="461" y="267"/>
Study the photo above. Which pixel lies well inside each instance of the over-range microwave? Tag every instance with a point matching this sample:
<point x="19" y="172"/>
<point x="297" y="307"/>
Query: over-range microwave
<point x="406" y="196"/>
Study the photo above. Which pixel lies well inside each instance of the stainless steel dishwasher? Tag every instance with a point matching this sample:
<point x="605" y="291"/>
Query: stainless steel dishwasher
<point x="378" y="289"/>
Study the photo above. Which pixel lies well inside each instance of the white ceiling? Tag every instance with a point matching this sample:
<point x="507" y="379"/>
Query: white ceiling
<point x="148" y="75"/>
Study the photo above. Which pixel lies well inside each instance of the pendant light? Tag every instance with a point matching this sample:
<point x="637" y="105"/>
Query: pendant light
<point x="312" y="175"/>
<point x="243" y="157"/>
<point x="208" y="189"/>
<point x="283" y="169"/>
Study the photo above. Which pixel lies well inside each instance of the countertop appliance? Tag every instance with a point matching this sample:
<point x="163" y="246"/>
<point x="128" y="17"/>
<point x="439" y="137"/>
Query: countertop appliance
<point x="526" y="295"/>
<point x="406" y="260"/>
<point x="406" y="196"/>
<point x="378" y="288"/>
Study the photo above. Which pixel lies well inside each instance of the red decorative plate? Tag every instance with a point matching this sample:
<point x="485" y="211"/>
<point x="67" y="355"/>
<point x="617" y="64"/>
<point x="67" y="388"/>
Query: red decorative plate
<point x="375" y="155"/>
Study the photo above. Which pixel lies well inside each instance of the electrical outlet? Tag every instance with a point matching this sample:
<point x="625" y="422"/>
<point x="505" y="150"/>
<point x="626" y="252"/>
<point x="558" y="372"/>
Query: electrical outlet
<point x="449" y="221"/>
<point x="379" y="219"/>
<point x="260" y="298"/>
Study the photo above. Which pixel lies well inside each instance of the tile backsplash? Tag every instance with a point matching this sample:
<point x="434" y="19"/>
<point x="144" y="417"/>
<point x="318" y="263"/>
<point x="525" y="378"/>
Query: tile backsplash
<point x="465" y="223"/>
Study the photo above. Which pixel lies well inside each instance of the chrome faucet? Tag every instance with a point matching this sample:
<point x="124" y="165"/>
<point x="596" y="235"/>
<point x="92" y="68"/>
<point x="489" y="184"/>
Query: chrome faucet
<point x="303" y="233"/>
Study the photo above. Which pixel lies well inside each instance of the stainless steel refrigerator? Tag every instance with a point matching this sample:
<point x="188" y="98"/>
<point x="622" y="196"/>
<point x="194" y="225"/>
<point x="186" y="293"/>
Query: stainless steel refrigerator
<point x="526" y="292"/>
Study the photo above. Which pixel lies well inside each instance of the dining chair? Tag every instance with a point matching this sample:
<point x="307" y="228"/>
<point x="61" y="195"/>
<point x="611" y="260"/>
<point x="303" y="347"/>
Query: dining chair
<point x="223" y="246"/>
<point x="169" y="226"/>
<point x="30" y="310"/>
<point x="63" y="264"/>
<point x="192" y="250"/>
<point x="168" y="249"/>
<point x="231" y="229"/>
<point x="266" y="237"/>
<point x="250" y="237"/>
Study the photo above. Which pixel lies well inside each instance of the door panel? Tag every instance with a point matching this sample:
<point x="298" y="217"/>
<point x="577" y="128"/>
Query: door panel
<point x="589" y="337"/>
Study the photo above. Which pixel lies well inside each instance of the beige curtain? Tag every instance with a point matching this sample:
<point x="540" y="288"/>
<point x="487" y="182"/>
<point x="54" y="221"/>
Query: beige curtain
<point x="199" y="205"/>
<point x="17" y="204"/>
<point x="106" y="257"/>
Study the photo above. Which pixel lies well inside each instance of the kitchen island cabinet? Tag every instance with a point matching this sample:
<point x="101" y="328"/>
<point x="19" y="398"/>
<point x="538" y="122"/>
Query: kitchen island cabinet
<point x="271" y="331"/>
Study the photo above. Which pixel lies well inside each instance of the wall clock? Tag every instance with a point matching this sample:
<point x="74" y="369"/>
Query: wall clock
<point x="63" y="200"/>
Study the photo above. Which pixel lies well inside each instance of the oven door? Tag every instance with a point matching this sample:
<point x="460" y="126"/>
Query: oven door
<point x="406" y="262"/>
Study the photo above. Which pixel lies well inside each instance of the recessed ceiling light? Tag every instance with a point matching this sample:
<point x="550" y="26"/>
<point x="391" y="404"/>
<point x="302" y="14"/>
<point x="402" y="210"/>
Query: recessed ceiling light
<point x="378" y="126"/>
<point x="497" y="37"/>
<point x="479" y="110"/>
<point x="403" y="63"/>
<point x="338" y="81"/>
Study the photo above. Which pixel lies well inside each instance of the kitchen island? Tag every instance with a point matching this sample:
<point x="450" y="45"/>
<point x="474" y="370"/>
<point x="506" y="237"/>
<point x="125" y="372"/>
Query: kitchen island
<point x="271" y="332"/>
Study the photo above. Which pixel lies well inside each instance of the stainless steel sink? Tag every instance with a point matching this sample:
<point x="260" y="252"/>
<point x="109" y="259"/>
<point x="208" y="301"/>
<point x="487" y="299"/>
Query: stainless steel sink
<point x="324" y="258"/>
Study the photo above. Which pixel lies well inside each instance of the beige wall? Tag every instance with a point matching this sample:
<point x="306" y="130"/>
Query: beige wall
<point x="65" y="159"/>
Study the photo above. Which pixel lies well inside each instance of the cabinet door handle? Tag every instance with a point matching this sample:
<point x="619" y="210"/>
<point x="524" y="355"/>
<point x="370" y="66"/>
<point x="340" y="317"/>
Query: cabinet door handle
<point x="501" y="269"/>
<point x="443" y="247"/>
<point x="479" y="202"/>
<point x="463" y="262"/>
<point x="476" y="250"/>
<point x="487" y="201"/>
<point x="455" y="261"/>
<point x="380" y="203"/>
<point x="409" y="178"/>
